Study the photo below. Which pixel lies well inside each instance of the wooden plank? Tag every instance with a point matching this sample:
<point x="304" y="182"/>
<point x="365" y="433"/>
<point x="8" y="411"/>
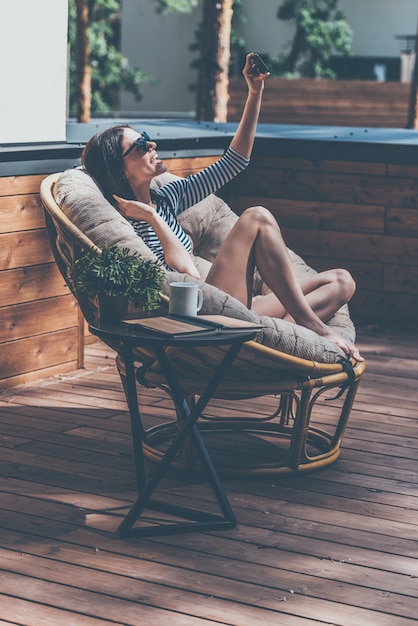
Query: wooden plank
<point x="323" y="97"/>
<point x="40" y="352"/>
<point x="367" y="275"/>
<point x="26" y="284"/>
<point x="374" y="308"/>
<point x="106" y="607"/>
<point x="29" y="377"/>
<point x="18" y="185"/>
<point x="403" y="222"/>
<point x="318" y="215"/>
<point x="346" y="120"/>
<point x="57" y="419"/>
<point x="328" y="187"/>
<point x="38" y="317"/>
<point x="401" y="278"/>
<point x="402" y="171"/>
<point x="358" y="246"/>
<point x="321" y="166"/>
<point x="23" y="212"/>
<point x="24" y="249"/>
<point x="28" y="613"/>
<point x="330" y="109"/>
<point x="186" y="166"/>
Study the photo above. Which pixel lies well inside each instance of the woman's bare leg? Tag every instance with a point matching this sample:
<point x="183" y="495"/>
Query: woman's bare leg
<point x="256" y="239"/>
<point x="325" y="292"/>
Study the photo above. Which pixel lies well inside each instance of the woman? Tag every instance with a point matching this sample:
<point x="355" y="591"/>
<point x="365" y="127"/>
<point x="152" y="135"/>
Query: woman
<point x="123" y="162"/>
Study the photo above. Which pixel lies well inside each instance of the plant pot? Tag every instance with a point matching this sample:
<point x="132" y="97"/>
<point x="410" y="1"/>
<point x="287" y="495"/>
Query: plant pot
<point x="111" y="309"/>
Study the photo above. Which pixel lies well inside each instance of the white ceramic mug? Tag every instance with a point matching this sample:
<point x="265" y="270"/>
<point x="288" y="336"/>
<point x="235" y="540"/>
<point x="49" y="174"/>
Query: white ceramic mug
<point x="185" y="299"/>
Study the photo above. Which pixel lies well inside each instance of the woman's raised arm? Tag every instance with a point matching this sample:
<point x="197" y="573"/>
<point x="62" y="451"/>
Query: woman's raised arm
<point x="244" y="137"/>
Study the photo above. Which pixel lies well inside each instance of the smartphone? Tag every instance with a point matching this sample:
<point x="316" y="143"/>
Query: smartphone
<point x="260" y="65"/>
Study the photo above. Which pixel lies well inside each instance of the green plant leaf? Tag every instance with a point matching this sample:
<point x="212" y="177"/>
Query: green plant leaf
<point x="118" y="271"/>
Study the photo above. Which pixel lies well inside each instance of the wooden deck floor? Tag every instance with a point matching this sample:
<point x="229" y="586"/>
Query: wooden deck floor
<point x="336" y="547"/>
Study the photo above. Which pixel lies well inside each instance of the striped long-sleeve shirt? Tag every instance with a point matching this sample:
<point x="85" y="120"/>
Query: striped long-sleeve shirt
<point x="178" y="195"/>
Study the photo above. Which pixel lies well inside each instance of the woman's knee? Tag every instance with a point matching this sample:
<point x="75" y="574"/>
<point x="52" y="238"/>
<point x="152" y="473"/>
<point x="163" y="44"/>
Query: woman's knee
<point x="346" y="283"/>
<point x="259" y="215"/>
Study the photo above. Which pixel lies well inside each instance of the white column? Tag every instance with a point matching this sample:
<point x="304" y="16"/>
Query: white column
<point x="33" y="70"/>
<point x="407" y="66"/>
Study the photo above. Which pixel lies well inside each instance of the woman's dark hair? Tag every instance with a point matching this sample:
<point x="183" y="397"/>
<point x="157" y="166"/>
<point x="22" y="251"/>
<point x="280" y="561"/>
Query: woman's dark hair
<point x="102" y="158"/>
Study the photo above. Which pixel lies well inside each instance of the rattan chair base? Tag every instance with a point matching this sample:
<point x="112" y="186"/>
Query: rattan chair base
<point x="285" y="443"/>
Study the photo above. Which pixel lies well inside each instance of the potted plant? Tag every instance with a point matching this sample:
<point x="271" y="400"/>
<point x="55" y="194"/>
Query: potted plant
<point x="116" y="278"/>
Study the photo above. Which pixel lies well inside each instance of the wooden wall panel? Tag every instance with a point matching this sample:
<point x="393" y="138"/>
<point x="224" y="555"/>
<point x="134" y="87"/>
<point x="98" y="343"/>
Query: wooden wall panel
<point x="363" y="217"/>
<point x="40" y="331"/>
<point x="326" y="102"/>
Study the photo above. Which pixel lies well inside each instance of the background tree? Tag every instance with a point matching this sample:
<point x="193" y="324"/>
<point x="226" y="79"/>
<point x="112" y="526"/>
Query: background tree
<point x="215" y="53"/>
<point x="320" y="32"/>
<point x="213" y="42"/>
<point x="236" y="44"/>
<point x="82" y="60"/>
<point x="98" y="70"/>
<point x="412" y="121"/>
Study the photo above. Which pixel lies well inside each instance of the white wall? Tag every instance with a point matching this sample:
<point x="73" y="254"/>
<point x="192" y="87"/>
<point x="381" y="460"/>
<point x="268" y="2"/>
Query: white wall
<point x="375" y="24"/>
<point x="33" y="70"/>
<point x="159" y="46"/>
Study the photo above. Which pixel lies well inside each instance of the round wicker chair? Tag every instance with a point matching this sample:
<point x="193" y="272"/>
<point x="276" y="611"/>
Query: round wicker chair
<point x="307" y="378"/>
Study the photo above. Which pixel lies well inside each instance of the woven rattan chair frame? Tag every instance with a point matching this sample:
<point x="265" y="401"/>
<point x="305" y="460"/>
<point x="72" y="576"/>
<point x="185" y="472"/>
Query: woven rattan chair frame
<point x="304" y="433"/>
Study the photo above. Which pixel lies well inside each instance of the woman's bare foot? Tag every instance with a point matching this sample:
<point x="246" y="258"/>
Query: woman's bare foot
<point x="345" y="345"/>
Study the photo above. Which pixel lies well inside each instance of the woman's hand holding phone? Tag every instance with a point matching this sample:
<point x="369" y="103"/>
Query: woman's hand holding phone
<point x="258" y="65"/>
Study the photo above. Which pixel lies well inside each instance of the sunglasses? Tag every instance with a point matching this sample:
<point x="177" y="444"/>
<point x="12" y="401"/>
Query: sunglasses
<point x="139" y="144"/>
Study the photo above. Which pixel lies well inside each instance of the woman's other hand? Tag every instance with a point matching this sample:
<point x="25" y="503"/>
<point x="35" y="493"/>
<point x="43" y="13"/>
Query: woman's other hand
<point x="134" y="210"/>
<point x="175" y="254"/>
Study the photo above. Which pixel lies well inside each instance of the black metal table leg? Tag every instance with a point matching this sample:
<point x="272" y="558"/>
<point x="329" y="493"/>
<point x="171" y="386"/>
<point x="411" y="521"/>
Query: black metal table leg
<point x="137" y="430"/>
<point x="202" y="521"/>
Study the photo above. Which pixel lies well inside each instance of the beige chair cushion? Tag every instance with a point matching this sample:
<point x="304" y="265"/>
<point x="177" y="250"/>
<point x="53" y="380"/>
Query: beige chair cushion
<point x="207" y="223"/>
